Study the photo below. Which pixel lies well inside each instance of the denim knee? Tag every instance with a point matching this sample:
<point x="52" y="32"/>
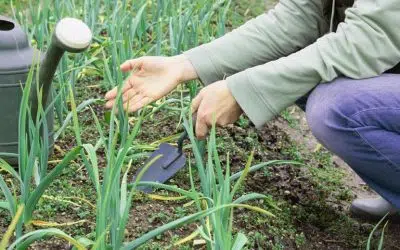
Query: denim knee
<point x="328" y="110"/>
<point x="358" y="120"/>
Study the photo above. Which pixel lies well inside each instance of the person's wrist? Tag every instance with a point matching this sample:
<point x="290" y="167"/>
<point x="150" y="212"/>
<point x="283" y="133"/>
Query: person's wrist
<point x="186" y="69"/>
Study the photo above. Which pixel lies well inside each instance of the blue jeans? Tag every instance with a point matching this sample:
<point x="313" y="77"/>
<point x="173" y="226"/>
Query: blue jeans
<point x="359" y="120"/>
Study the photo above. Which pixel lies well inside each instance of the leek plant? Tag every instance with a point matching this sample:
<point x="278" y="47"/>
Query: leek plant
<point x="218" y="189"/>
<point x="159" y="27"/>
<point x="122" y="30"/>
<point x="114" y="195"/>
<point x="216" y="198"/>
<point x="382" y="237"/>
<point x="113" y="201"/>
<point x="7" y="236"/>
<point x="33" y="176"/>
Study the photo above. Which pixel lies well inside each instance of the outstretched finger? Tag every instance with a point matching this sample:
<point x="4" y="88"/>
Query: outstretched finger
<point x="112" y="94"/>
<point x="110" y="104"/>
<point x="196" y="102"/>
<point x="131" y="65"/>
<point x="139" y="104"/>
<point x="202" y="125"/>
<point x="128" y="95"/>
<point x="132" y="101"/>
<point x="201" y="129"/>
<point x="127" y="85"/>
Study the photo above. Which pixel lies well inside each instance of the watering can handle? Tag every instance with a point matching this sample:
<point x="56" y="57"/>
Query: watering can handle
<point x="70" y="35"/>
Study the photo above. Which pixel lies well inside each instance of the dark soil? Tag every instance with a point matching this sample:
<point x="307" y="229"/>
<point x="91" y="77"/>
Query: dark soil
<point x="313" y="199"/>
<point x="314" y="214"/>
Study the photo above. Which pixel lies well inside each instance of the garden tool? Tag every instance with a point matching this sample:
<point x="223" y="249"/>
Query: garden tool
<point x="16" y="59"/>
<point x="171" y="161"/>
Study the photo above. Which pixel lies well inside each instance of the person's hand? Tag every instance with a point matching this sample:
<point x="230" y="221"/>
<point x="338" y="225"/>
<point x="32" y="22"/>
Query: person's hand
<point x="214" y="102"/>
<point x="151" y="79"/>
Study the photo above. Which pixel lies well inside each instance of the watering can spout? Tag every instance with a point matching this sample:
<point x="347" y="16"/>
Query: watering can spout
<point x="70" y="35"/>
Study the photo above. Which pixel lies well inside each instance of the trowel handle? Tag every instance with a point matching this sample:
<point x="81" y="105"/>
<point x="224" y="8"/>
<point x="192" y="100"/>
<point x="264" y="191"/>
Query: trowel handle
<point x="184" y="136"/>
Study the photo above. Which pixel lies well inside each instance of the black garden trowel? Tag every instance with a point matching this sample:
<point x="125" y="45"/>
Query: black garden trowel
<point x="171" y="161"/>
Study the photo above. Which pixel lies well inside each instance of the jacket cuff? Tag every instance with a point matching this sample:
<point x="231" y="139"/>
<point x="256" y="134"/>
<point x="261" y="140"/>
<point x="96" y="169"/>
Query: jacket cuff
<point x="203" y="64"/>
<point x="249" y="99"/>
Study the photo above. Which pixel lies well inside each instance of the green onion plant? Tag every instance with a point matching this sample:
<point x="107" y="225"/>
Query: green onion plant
<point x="33" y="176"/>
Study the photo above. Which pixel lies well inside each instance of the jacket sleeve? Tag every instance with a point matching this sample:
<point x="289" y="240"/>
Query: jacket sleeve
<point x="365" y="45"/>
<point x="290" y="26"/>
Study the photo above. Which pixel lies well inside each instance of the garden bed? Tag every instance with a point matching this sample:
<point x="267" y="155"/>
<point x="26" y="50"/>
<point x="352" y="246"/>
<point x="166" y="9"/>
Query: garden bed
<point x="312" y="199"/>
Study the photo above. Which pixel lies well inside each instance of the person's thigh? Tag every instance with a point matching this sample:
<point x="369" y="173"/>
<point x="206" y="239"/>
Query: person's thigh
<point x="359" y="120"/>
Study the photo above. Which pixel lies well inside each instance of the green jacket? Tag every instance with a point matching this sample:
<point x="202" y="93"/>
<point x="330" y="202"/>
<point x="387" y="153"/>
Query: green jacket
<point x="274" y="59"/>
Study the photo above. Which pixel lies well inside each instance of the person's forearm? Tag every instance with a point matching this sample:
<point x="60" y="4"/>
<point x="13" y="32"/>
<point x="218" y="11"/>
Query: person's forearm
<point x="289" y="27"/>
<point x="188" y="72"/>
<point x="365" y="45"/>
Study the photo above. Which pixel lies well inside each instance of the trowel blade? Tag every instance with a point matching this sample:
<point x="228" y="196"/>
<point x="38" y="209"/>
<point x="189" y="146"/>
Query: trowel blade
<point x="164" y="168"/>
